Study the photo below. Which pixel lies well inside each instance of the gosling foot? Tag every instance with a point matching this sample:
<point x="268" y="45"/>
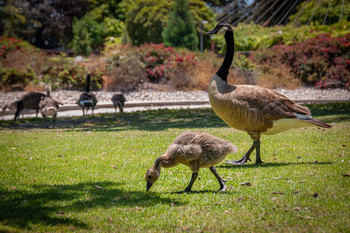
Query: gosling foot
<point x="183" y="191"/>
<point x="222" y="187"/>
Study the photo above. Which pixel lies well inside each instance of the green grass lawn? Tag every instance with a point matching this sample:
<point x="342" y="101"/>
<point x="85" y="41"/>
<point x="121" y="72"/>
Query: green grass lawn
<point x="88" y="175"/>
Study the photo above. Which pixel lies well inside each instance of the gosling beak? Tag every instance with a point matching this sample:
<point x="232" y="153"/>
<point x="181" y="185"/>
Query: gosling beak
<point x="149" y="185"/>
<point x="211" y="32"/>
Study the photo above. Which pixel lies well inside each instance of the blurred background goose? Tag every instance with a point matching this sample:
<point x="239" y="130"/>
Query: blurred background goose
<point x="253" y="109"/>
<point x="118" y="101"/>
<point x="196" y="150"/>
<point x="30" y="100"/>
<point x="49" y="107"/>
<point x="87" y="99"/>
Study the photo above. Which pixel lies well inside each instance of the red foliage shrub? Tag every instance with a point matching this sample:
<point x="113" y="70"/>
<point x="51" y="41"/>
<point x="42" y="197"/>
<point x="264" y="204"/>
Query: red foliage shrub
<point x="161" y="61"/>
<point x="322" y="61"/>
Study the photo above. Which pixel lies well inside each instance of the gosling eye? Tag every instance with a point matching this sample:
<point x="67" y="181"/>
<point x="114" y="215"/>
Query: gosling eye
<point x="149" y="176"/>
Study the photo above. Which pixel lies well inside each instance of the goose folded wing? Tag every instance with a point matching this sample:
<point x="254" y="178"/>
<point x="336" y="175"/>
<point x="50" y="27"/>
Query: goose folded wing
<point x="276" y="106"/>
<point x="270" y="104"/>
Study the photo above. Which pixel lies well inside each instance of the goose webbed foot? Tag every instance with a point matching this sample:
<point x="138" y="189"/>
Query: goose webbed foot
<point x="241" y="161"/>
<point x="246" y="157"/>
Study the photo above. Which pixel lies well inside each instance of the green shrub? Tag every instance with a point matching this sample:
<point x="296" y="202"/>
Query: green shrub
<point x="11" y="77"/>
<point x="251" y="37"/>
<point x="62" y="72"/>
<point x="90" y="33"/>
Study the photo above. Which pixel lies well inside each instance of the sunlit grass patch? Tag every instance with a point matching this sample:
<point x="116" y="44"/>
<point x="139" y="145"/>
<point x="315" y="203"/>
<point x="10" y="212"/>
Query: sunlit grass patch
<point x="82" y="177"/>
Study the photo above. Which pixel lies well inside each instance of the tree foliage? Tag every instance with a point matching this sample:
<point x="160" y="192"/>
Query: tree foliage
<point x="45" y="24"/>
<point x="180" y="30"/>
<point x="91" y="30"/>
<point x="315" y="11"/>
<point x="146" y="19"/>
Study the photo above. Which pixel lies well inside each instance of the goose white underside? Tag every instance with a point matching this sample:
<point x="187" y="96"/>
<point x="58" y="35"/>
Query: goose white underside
<point x="286" y="124"/>
<point x="51" y="111"/>
<point x="86" y="103"/>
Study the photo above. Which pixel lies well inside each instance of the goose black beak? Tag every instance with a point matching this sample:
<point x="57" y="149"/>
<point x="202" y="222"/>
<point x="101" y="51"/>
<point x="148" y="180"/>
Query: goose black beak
<point x="149" y="185"/>
<point x="211" y="32"/>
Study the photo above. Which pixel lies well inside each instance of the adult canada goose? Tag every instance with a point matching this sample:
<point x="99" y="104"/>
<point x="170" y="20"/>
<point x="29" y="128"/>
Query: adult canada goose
<point x="49" y="107"/>
<point x="253" y="109"/>
<point x="118" y="101"/>
<point x="195" y="150"/>
<point x="87" y="99"/>
<point x="28" y="101"/>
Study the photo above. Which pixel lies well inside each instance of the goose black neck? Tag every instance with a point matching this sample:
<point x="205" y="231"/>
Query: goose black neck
<point x="88" y="83"/>
<point x="224" y="69"/>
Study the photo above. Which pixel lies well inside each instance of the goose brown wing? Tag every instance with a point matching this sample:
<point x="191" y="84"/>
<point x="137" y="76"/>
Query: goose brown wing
<point x="272" y="105"/>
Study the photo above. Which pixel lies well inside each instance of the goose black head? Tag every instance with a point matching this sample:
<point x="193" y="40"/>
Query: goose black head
<point x="220" y="29"/>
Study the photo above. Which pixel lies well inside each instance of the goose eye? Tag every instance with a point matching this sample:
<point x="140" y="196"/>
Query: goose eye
<point x="149" y="176"/>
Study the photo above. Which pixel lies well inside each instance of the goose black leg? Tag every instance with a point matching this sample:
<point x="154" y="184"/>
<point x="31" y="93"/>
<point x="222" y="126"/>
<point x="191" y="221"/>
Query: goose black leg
<point x="257" y="148"/>
<point x="220" y="180"/>
<point x="45" y="121"/>
<point x="245" y="157"/>
<point x="53" y="121"/>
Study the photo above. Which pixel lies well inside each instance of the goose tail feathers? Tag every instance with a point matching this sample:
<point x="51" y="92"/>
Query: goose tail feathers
<point x="317" y="122"/>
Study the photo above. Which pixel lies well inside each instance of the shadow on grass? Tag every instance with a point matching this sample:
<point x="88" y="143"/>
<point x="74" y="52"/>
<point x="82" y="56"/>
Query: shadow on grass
<point x="164" y="119"/>
<point x="253" y="165"/>
<point x="147" y="120"/>
<point x="53" y="204"/>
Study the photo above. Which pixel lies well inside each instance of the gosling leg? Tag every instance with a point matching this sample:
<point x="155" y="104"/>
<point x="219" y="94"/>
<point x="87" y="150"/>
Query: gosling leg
<point x="220" y="180"/>
<point x="245" y="157"/>
<point x="189" y="186"/>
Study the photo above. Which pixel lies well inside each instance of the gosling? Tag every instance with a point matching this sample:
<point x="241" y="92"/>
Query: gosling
<point x="196" y="150"/>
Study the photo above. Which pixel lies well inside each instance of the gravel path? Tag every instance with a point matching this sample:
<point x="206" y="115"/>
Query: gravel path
<point x="70" y="97"/>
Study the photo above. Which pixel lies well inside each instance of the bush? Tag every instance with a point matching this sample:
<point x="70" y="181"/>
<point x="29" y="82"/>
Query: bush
<point x="62" y="72"/>
<point x="157" y="59"/>
<point x="323" y="60"/>
<point x="12" y="78"/>
<point x="124" y="70"/>
<point x="20" y="63"/>
<point x="276" y="77"/>
<point x="251" y="37"/>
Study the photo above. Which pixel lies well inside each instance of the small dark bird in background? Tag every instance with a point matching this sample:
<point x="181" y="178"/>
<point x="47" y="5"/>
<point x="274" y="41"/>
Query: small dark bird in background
<point x="118" y="101"/>
<point x="87" y="99"/>
<point x="49" y="107"/>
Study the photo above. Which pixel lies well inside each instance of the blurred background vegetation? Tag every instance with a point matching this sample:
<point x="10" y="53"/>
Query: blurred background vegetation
<point x="124" y="44"/>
